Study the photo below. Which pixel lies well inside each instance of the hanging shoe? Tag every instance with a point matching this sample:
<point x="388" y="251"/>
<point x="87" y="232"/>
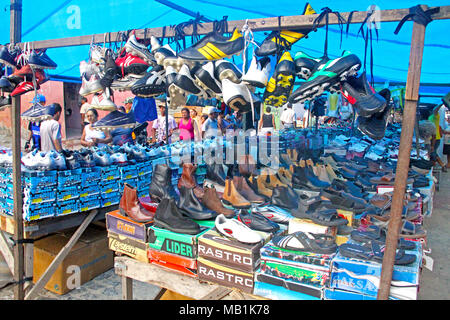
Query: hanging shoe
<point x="212" y="201"/>
<point x="90" y="85"/>
<point x="190" y="205"/>
<point x="130" y="206"/>
<point x="152" y="84"/>
<point x="204" y="78"/>
<point x="304" y="65"/>
<point x="115" y="119"/>
<point x="110" y="72"/>
<point x="8" y="57"/>
<point x="281" y="83"/>
<point x="232" y="197"/>
<point x="184" y="84"/>
<point x="5" y="102"/>
<point x="161" y="184"/>
<point x="375" y="125"/>
<point x="225" y="69"/>
<point x="258" y="72"/>
<point x="131" y="65"/>
<point x="326" y="76"/>
<point x="41" y="60"/>
<point x="125" y="83"/>
<point x="288" y="37"/>
<point x="236" y="96"/>
<point x="103" y="102"/>
<point x="134" y="47"/>
<point x="214" y="46"/>
<point x="162" y="53"/>
<point x="6" y="85"/>
<point x="257" y="221"/>
<point x="168" y="216"/>
<point x="362" y="96"/>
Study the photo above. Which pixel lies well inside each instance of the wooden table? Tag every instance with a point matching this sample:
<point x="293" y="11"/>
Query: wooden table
<point x="130" y="269"/>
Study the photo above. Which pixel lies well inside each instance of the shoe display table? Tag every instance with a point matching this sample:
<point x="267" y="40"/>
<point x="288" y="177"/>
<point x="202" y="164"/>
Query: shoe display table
<point x="130" y="269"/>
<point x="36" y="229"/>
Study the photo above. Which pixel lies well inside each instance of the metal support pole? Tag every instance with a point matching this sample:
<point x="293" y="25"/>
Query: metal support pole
<point x="167" y="123"/>
<point x="409" y="114"/>
<point x="15" y="37"/>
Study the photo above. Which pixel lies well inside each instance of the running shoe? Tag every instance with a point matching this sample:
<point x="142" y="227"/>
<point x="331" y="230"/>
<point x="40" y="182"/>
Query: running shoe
<point x="134" y="47"/>
<point x="225" y="69"/>
<point x="90" y="85"/>
<point x="233" y="228"/>
<point x="153" y="83"/>
<point x="41" y="60"/>
<point x="115" y="119"/>
<point x="36" y="112"/>
<point x="130" y="64"/>
<point x="205" y="79"/>
<point x="6" y="85"/>
<point x="23" y="87"/>
<point x="9" y="57"/>
<point x="102" y="101"/>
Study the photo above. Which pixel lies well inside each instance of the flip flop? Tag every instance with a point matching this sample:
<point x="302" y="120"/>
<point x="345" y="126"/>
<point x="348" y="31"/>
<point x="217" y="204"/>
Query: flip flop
<point x="378" y="235"/>
<point x="306" y="242"/>
<point x="412" y="231"/>
<point x="373" y="252"/>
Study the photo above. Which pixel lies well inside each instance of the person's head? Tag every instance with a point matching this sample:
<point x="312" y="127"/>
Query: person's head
<point x="213" y="113"/>
<point x="185" y="113"/>
<point x="268" y="109"/>
<point x="55" y="110"/>
<point x="204" y="117"/>
<point x="162" y="109"/>
<point x="194" y="113"/>
<point x="92" y="115"/>
<point x="128" y="103"/>
<point x="84" y="100"/>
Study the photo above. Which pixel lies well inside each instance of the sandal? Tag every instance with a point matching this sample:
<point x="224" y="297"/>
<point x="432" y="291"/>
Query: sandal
<point x="412" y="231"/>
<point x="388" y="179"/>
<point x="373" y="252"/>
<point x="408" y="215"/>
<point x="378" y="235"/>
<point x="318" y="212"/>
<point x="306" y="242"/>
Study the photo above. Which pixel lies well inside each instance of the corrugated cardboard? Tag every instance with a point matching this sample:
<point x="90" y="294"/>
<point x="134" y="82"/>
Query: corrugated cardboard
<point x="117" y="223"/>
<point x="88" y="258"/>
<point x="128" y="246"/>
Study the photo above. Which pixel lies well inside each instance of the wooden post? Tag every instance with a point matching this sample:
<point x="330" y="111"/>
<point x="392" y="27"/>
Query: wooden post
<point x="409" y="115"/>
<point x="15" y="37"/>
<point x="127" y="288"/>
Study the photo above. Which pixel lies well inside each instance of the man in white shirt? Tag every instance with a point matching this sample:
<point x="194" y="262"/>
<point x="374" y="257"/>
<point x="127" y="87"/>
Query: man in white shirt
<point x="51" y="130"/>
<point x="159" y="126"/>
<point x="288" y="117"/>
<point x="210" y="126"/>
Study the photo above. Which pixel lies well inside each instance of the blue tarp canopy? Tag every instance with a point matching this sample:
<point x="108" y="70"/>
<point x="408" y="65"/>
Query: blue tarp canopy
<point x="43" y="20"/>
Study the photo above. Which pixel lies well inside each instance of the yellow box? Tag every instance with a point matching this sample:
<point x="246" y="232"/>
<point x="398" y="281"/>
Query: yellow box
<point x="347" y="215"/>
<point x="341" y="239"/>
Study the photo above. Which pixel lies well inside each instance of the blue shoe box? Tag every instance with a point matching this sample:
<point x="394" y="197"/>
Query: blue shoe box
<point x="128" y="172"/>
<point x="68" y="193"/>
<point x="68" y="207"/>
<point x="336" y="294"/>
<point x="69" y="177"/>
<point x="363" y="277"/>
<point x="110" y="173"/>
<point x="274" y="292"/>
<point x="110" y="199"/>
<point x="38" y="211"/>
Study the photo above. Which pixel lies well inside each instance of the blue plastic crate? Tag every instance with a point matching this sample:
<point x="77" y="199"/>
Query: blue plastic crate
<point x="68" y="207"/>
<point x="90" y="203"/>
<point x="109" y="187"/>
<point x="128" y="172"/>
<point x="92" y="190"/>
<point x="32" y="197"/>
<point x="90" y="176"/>
<point x="110" y="173"/>
<point x="68" y="193"/>
<point x="69" y="177"/>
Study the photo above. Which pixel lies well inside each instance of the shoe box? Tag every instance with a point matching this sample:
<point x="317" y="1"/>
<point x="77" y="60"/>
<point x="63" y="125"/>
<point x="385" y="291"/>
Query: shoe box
<point x="227" y="261"/>
<point x="337" y="294"/>
<point x="340" y="239"/>
<point x="119" y="224"/>
<point x="309" y="269"/>
<point x="88" y="258"/>
<point x="306" y="225"/>
<point x="128" y="246"/>
<point x="363" y="277"/>
<point x="276" y="292"/>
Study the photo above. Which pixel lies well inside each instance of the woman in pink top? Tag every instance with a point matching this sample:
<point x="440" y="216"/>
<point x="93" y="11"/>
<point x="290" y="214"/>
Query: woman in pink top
<point x="188" y="126"/>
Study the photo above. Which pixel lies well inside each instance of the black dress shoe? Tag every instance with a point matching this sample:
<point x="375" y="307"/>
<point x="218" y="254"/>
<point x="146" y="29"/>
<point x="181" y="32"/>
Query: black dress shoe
<point x="304" y="179"/>
<point x="257" y="221"/>
<point x="215" y="176"/>
<point x="191" y="207"/>
<point x="168" y="216"/>
<point x="284" y="198"/>
<point x="161" y="185"/>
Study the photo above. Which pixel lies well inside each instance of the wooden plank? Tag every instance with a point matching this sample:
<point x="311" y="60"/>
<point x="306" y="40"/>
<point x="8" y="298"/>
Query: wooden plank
<point x="260" y="24"/>
<point x="60" y="257"/>
<point x="7" y="224"/>
<point x="217" y="294"/>
<point x="165" y="278"/>
<point x="29" y="258"/>
<point x="7" y="252"/>
<point x="160" y="294"/>
<point x="127" y="288"/>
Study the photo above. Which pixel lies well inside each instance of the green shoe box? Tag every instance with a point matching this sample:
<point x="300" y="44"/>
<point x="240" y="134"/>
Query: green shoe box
<point x="181" y="244"/>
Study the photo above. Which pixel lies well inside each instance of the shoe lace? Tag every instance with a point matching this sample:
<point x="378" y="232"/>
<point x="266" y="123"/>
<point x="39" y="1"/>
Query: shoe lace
<point x="325" y="14"/>
<point x="417" y="14"/>
<point x="249" y="38"/>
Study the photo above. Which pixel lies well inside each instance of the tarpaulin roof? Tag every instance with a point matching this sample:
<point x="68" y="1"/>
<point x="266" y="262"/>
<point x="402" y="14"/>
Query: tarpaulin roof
<point x="43" y="20"/>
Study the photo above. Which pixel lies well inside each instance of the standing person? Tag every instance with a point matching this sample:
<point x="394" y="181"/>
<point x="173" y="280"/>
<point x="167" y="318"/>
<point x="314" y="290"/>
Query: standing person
<point x="188" y="126"/>
<point x="91" y="137"/>
<point x="34" y="128"/>
<point x="435" y="142"/>
<point x="446" y="149"/>
<point x="288" y="117"/>
<point x="159" y="126"/>
<point x="267" y="123"/>
<point x="85" y="106"/>
<point x="51" y="130"/>
<point x="223" y="123"/>
<point x="210" y="127"/>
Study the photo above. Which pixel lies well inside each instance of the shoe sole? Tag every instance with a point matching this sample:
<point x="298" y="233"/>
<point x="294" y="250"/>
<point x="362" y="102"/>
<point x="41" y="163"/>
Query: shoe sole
<point x="141" y="91"/>
<point x="160" y="224"/>
<point x="137" y="52"/>
<point x="36" y="66"/>
<point x="109" y="128"/>
<point x="90" y="92"/>
<point x="236" y="206"/>
<point x="105" y="108"/>
<point x="230" y="75"/>
<point x="175" y="62"/>
<point x="210" y="92"/>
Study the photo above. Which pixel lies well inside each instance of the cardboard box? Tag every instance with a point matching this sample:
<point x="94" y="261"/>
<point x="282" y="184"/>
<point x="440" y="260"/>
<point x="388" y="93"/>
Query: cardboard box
<point x="364" y="276"/>
<point x="184" y="245"/>
<point x="166" y="257"/>
<point x="128" y="246"/>
<point x="308" y="292"/>
<point x="336" y="294"/>
<point x="229" y="252"/>
<point x="226" y="276"/>
<point x="175" y="267"/>
<point x="88" y="258"/>
<point x="306" y="225"/>
<point x="274" y="292"/>
<point x="119" y="224"/>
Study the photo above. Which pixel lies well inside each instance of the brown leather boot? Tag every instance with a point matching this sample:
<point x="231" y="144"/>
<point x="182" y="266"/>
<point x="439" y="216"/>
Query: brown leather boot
<point x="262" y="189"/>
<point x="212" y="201"/>
<point x="130" y="206"/>
<point x="247" y="165"/>
<point x="244" y="189"/>
<point x="187" y="180"/>
<point x="232" y="196"/>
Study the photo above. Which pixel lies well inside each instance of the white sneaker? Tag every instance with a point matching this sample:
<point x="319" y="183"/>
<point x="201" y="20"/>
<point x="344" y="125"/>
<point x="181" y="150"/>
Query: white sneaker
<point x="233" y="228"/>
<point x="119" y="158"/>
<point x="258" y="72"/>
<point x="135" y="48"/>
<point x="154" y="44"/>
<point x="57" y="160"/>
<point x="125" y="83"/>
<point x="235" y="95"/>
<point x="103" y="102"/>
<point x="97" y="54"/>
<point x="44" y="161"/>
<point x="90" y="85"/>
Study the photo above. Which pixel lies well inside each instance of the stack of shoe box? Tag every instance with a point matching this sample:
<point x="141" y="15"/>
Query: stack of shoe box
<point x="227" y="261"/>
<point x="68" y="192"/>
<point x="129" y="175"/>
<point x="90" y="192"/>
<point x="144" y="178"/>
<point x="109" y="185"/>
<point x="357" y="279"/>
<point x="286" y="274"/>
<point x="175" y="251"/>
